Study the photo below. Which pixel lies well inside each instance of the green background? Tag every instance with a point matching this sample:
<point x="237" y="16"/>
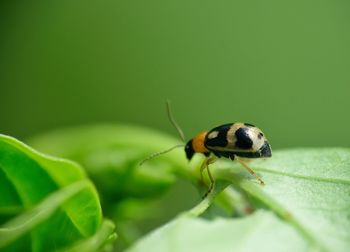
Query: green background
<point x="282" y="65"/>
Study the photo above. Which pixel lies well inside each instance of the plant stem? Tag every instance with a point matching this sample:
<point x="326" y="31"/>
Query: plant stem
<point x="203" y="205"/>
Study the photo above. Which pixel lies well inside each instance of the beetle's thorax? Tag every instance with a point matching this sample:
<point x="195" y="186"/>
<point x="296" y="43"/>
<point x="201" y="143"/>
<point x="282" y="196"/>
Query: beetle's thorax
<point x="196" y="145"/>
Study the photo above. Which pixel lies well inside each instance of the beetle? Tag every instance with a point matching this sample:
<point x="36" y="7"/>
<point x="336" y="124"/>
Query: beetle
<point x="236" y="141"/>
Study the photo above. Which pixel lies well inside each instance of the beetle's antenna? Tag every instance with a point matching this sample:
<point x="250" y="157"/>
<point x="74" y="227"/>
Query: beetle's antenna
<point x="179" y="130"/>
<point x="173" y="122"/>
<point x="160" y="153"/>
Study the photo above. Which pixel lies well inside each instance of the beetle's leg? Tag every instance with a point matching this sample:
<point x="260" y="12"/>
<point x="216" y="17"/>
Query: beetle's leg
<point x="207" y="161"/>
<point x="206" y="164"/>
<point x="250" y="170"/>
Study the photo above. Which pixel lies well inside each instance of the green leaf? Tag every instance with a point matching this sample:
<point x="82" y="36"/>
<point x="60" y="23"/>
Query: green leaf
<point x="306" y="200"/>
<point x="111" y="155"/>
<point x="104" y="235"/>
<point x="253" y="233"/>
<point x="47" y="203"/>
<point x="306" y="189"/>
<point x="23" y="223"/>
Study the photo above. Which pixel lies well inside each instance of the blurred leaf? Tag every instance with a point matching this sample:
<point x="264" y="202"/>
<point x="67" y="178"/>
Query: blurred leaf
<point x="111" y="155"/>
<point x="49" y="203"/>
<point x="309" y="191"/>
<point x="261" y="231"/>
<point x="94" y="243"/>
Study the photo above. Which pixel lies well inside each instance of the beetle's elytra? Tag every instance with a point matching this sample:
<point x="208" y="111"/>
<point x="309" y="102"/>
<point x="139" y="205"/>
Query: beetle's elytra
<point x="230" y="140"/>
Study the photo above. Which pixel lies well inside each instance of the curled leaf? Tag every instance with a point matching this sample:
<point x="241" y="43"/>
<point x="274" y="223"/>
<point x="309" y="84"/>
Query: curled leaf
<point x="47" y="202"/>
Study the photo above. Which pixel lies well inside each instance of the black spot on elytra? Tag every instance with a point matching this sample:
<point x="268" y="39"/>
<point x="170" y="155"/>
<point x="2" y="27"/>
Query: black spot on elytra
<point x="260" y="135"/>
<point x="248" y="124"/>
<point x="243" y="139"/>
<point x="221" y="139"/>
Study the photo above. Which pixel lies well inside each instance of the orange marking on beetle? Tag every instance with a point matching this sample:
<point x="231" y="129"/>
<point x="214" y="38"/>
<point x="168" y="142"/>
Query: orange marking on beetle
<point x="198" y="143"/>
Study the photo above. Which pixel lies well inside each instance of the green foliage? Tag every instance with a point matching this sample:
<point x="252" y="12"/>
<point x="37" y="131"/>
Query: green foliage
<point x="305" y="203"/>
<point x="46" y="203"/>
<point x="303" y="207"/>
<point x="262" y="231"/>
<point x="111" y="155"/>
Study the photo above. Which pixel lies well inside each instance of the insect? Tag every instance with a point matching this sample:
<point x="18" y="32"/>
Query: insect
<point x="236" y="141"/>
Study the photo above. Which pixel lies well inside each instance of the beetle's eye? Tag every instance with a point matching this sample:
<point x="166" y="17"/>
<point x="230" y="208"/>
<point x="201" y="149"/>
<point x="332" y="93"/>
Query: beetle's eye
<point x="260" y="135"/>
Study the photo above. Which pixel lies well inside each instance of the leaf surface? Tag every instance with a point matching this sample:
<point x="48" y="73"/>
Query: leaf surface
<point x="253" y="233"/>
<point x="305" y="204"/>
<point x="47" y="203"/>
<point x="111" y="155"/>
<point x="307" y="190"/>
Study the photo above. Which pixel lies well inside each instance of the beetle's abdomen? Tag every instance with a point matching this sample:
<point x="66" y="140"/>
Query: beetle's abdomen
<point x="241" y="139"/>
